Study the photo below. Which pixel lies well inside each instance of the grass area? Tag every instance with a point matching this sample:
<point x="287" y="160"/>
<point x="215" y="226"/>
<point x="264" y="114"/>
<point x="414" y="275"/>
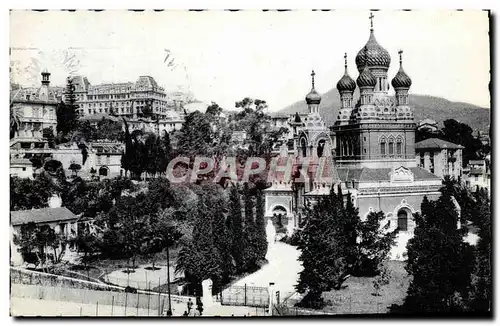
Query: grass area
<point x="356" y="297"/>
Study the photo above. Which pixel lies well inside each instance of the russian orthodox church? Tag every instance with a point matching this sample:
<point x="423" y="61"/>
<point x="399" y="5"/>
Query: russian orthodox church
<point x="371" y="145"/>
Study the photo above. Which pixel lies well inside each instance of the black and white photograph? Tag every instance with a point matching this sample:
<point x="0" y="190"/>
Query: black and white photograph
<point x="250" y="163"/>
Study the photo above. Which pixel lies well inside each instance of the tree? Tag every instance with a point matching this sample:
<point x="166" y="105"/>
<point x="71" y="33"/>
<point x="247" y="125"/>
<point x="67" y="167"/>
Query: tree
<point x="67" y="115"/>
<point x="260" y="225"/>
<point x="439" y="261"/>
<point x="460" y="133"/>
<point x="39" y="239"/>
<point x="482" y="285"/>
<point x="199" y="258"/>
<point x="374" y="245"/>
<point x="15" y="119"/>
<point x="87" y="241"/>
<point x="326" y="250"/>
<point x="48" y="134"/>
<point x="250" y="254"/>
<point x="235" y="225"/>
<point x="93" y="172"/>
<point x="30" y="194"/>
<point x="75" y="167"/>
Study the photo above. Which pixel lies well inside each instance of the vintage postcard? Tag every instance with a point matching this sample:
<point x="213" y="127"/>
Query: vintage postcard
<point x="250" y="163"/>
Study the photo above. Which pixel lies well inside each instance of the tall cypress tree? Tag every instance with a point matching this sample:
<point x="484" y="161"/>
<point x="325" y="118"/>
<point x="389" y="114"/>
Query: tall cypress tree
<point x="439" y="261"/>
<point x="325" y="256"/>
<point x="199" y="259"/>
<point x="375" y="244"/>
<point x="249" y="231"/>
<point x="260" y="226"/>
<point x="235" y="222"/>
<point x="67" y="115"/>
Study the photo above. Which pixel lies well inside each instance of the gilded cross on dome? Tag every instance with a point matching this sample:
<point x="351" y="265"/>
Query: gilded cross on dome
<point x="312" y="77"/>
<point x="371" y="20"/>
<point x="400" y="52"/>
<point x="345" y="59"/>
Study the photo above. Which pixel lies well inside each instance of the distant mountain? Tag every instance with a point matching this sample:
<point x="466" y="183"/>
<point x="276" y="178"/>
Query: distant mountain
<point x="435" y="108"/>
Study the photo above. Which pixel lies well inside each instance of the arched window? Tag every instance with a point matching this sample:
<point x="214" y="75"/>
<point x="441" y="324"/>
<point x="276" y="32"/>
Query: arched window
<point x="399" y="146"/>
<point x="321" y="146"/>
<point x="382" y="146"/>
<point x="403" y="220"/>
<point x="391" y="146"/>
<point x="304" y="147"/>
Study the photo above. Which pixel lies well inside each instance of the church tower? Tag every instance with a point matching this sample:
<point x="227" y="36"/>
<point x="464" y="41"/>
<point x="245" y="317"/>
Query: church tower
<point x="402" y="83"/>
<point x="346" y="86"/>
<point x="378" y="131"/>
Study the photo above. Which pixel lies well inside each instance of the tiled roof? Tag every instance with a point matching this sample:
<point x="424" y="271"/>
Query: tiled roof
<point x="436" y="143"/>
<point x="33" y="93"/>
<point x="42" y="215"/>
<point x="382" y="174"/>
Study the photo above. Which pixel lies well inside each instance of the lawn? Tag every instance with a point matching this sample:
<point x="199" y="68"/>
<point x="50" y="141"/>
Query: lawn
<point x="356" y="297"/>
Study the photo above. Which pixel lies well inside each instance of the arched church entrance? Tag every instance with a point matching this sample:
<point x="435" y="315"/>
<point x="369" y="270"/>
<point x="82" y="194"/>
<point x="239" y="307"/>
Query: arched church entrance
<point x="403" y="216"/>
<point x="321" y="147"/>
<point x="103" y="171"/>
<point x="280" y="218"/>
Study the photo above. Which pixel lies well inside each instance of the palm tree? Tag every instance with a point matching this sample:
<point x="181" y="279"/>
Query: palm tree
<point x="15" y="119"/>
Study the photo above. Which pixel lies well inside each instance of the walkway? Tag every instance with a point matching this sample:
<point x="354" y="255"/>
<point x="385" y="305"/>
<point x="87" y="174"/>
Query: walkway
<point x="283" y="268"/>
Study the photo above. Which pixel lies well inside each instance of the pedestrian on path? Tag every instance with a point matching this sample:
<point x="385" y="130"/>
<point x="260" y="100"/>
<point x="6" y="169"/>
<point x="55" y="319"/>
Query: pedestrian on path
<point x="189" y="305"/>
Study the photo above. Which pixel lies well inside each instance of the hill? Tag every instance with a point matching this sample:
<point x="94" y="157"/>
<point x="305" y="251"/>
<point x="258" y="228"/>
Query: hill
<point x="435" y="108"/>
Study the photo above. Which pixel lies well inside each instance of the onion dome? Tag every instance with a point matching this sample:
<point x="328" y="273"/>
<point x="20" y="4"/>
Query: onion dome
<point x="366" y="78"/>
<point x="376" y="55"/>
<point x="313" y="97"/>
<point x="401" y="80"/>
<point x="346" y="83"/>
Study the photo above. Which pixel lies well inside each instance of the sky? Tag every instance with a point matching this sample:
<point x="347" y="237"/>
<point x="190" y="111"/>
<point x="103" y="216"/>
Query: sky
<point x="225" y="56"/>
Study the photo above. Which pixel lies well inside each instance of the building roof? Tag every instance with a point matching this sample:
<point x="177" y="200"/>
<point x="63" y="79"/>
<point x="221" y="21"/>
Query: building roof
<point x="20" y="162"/>
<point x="427" y="122"/>
<point x="42" y="215"/>
<point x="475" y="171"/>
<point x="381" y="174"/>
<point x="146" y="82"/>
<point x="99" y="117"/>
<point x="476" y="162"/>
<point x="436" y="143"/>
<point x="33" y="94"/>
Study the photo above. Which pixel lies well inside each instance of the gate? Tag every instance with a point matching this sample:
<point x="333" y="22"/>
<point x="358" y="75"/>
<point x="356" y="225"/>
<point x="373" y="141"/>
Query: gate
<point x="251" y="296"/>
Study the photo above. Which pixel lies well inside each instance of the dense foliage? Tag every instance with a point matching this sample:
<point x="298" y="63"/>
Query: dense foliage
<point x="458" y="133"/>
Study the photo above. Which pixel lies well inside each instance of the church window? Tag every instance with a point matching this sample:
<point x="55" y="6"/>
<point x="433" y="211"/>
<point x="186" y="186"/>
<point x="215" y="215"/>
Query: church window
<point x="399" y="146"/>
<point x="431" y="158"/>
<point x="382" y="146"/>
<point x="422" y="159"/>
<point x="391" y="147"/>
<point x="303" y="145"/>
<point x="321" y="146"/>
<point x="403" y="220"/>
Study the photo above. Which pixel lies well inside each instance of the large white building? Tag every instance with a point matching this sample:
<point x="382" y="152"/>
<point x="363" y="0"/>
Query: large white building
<point x="125" y="99"/>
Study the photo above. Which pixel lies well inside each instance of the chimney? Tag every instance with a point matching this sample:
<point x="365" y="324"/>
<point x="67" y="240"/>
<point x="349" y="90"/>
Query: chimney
<point x="45" y="78"/>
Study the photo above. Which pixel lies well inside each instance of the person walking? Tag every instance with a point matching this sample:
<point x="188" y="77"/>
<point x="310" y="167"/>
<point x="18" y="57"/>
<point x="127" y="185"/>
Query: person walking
<point x="189" y="305"/>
